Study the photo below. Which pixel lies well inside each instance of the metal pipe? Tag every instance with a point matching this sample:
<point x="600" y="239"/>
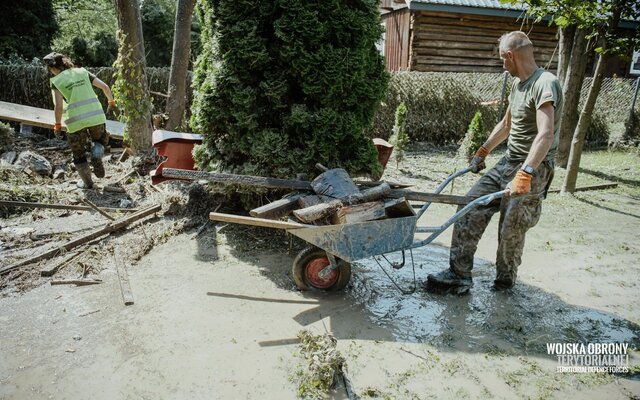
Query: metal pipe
<point x="441" y="188"/>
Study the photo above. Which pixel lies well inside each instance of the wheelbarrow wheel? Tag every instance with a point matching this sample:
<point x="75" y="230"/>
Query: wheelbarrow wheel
<point x="306" y="271"/>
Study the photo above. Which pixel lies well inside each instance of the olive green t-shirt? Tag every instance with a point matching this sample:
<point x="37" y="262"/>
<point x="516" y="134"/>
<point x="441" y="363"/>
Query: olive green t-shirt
<point x="525" y="99"/>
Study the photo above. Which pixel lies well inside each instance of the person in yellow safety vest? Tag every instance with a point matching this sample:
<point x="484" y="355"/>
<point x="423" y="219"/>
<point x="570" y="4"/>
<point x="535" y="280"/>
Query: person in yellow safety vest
<point x="75" y="101"/>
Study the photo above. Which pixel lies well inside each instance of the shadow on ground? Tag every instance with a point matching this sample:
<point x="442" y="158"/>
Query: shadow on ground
<point x="517" y="322"/>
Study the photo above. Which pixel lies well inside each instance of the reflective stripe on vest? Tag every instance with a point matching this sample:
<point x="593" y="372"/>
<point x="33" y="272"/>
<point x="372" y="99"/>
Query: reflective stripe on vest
<point x="82" y="108"/>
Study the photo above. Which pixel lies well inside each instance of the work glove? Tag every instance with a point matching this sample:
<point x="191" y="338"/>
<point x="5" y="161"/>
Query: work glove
<point x="520" y="185"/>
<point x="57" y="129"/>
<point x="477" y="162"/>
<point x="112" y="106"/>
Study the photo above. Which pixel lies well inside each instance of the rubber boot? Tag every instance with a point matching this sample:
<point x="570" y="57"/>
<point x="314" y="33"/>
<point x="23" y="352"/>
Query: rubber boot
<point x="448" y="281"/>
<point x="97" y="152"/>
<point x="85" y="175"/>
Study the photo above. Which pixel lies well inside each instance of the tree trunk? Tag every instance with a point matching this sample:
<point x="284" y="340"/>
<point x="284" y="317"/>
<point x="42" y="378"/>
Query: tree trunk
<point x="564" y="53"/>
<point x="569" y="184"/>
<point x="179" y="64"/>
<point x="135" y="101"/>
<point x="571" y="89"/>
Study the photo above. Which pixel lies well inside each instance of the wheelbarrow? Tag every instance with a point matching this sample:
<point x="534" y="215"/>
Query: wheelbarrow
<point x="326" y="264"/>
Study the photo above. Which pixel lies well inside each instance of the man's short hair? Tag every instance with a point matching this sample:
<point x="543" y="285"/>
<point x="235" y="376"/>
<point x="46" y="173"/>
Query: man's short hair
<point x="514" y="40"/>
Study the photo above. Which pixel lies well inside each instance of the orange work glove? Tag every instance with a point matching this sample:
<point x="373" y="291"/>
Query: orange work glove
<point x="112" y="103"/>
<point x="57" y="128"/>
<point x="521" y="184"/>
<point x="477" y="162"/>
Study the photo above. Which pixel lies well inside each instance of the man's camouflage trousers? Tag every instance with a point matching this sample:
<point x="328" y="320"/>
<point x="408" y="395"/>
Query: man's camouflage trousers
<point x="517" y="216"/>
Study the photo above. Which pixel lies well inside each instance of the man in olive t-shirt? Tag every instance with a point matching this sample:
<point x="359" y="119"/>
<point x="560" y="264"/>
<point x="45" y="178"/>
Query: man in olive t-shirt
<point x="531" y="124"/>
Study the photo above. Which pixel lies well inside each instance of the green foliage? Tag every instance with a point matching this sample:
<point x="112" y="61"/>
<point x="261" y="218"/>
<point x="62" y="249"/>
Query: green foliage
<point x="282" y="85"/>
<point x="158" y="19"/>
<point x="399" y="139"/>
<point x="598" y="131"/>
<point x="476" y="134"/>
<point x="325" y="365"/>
<point x="86" y="31"/>
<point x="128" y="86"/>
<point x="26" y="30"/>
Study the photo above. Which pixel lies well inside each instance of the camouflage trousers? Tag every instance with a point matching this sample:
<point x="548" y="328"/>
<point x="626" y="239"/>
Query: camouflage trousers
<point x="517" y="216"/>
<point x="80" y="141"/>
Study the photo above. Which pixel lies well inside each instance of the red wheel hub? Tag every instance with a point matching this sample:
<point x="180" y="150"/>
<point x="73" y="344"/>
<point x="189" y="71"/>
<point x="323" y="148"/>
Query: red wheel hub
<point x="312" y="273"/>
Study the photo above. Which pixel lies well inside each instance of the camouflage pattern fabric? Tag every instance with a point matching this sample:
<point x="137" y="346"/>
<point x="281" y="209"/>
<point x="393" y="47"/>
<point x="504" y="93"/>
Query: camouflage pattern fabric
<point x="517" y="216"/>
<point x="80" y="141"/>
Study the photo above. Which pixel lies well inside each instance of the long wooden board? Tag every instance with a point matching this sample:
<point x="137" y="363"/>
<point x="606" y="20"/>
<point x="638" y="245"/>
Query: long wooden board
<point x="267" y="223"/>
<point x="45" y="119"/>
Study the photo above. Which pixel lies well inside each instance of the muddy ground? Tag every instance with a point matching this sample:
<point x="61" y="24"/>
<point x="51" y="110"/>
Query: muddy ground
<point x="217" y="315"/>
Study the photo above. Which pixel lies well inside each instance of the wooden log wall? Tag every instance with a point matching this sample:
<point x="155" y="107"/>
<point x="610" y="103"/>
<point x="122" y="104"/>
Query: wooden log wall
<point x="396" y="39"/>
<point x="450" y="42"/>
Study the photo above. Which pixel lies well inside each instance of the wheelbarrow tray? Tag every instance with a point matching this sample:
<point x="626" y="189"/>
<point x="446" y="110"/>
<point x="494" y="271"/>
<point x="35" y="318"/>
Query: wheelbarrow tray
<point x="349" y="242"/>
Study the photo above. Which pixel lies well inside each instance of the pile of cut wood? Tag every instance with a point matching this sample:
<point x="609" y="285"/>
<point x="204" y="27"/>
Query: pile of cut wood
<point x="331" y="198"/>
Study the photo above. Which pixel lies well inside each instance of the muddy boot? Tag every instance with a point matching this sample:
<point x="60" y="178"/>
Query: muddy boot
<point x="97" y="152"/>
<point x="85" y="176"/>
<point x="503" y="284"/>
<point x="448" y="282"/>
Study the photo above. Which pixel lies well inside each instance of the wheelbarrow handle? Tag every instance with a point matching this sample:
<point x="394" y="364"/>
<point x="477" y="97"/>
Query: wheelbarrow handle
<point x="441" y="187"/>
<point x="436" y="231"/>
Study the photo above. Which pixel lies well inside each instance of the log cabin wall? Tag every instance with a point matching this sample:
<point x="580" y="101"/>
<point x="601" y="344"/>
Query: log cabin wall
<point x="396" y="39"/>
<point x="454" y="42"/>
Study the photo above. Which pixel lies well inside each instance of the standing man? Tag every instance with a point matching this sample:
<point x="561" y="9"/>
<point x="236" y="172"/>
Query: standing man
<point x="531" y="124"/>
<point x="75" y="100"/>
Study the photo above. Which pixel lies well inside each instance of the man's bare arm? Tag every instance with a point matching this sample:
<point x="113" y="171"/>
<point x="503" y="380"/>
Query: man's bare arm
<point x="57" y="105"/>
<point x="544" y="139"/>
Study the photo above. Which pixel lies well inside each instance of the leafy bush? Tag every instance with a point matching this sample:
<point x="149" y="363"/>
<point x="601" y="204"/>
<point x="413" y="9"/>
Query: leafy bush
<point x="399" y="138"/>
<point x="598" y="132"/>
<point x="476" y="134"/>
<point x="281" y="86"/>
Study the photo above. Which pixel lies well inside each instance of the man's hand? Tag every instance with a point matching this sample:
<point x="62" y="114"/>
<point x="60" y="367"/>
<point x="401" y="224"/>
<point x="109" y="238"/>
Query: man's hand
<point x="477" y="162"/>
<point x="57" y="129"/>
<point x="520" y="185"/>
<point x="111" y="106"/>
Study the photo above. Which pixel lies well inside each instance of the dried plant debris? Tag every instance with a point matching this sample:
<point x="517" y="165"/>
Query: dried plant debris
<point x="325" y="365"/>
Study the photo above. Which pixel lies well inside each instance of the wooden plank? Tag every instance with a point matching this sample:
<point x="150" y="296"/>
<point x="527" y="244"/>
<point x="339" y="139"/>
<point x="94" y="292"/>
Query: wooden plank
<point x="259" y="181"/>
<point x="77" y="282"/>
<point x="430" y="197"/>
<point x="434" y="34"/>
<point x="51" y="269"/>
<point x="535" y="35"/>
<point x="424" y="67"/>
<point x="433" y="60"/>
<point x="46" y="119"/>
<point x="500" y="25"/>
<point x="276" y="209"/>
<point x="123" y="277"/>
<point x="267" y="223"/>
<point x="359" y="213"/>
<point x="312" y="200"/>
<point x="98" y="209"/>
<point x="112" y="227"/>
<point x="7" y="203"/>
<point x="601" y="186"/>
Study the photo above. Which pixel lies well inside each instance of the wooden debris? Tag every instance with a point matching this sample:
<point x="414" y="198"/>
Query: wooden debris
<point x="98" y="209"/>
<point x="51" y="269"/>
<point x="125" y="287"/>
<point x="111" y="227"/>
<point x="277" y="209"/>
<point x="324" y="210"/>
<point x="398" y="208"/>
<point x="123" y="177"/>
<point x="334" y="183"/>
<point x="113" y="189"/>
<point x="431" y="197"/>
<point x="60" y="206"/>
<point x="601" y="186"/>
<point x="312" y="200"/>
<point x="258" y="181"/>
<point x="267" y="223"/>
<point x="88" y="313"/>
<point x="359" y="213"/>
<point x="77" y="282"/>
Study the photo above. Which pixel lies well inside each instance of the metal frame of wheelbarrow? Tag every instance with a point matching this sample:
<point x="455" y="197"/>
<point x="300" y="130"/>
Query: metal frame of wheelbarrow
<point x="351" y="242"/>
